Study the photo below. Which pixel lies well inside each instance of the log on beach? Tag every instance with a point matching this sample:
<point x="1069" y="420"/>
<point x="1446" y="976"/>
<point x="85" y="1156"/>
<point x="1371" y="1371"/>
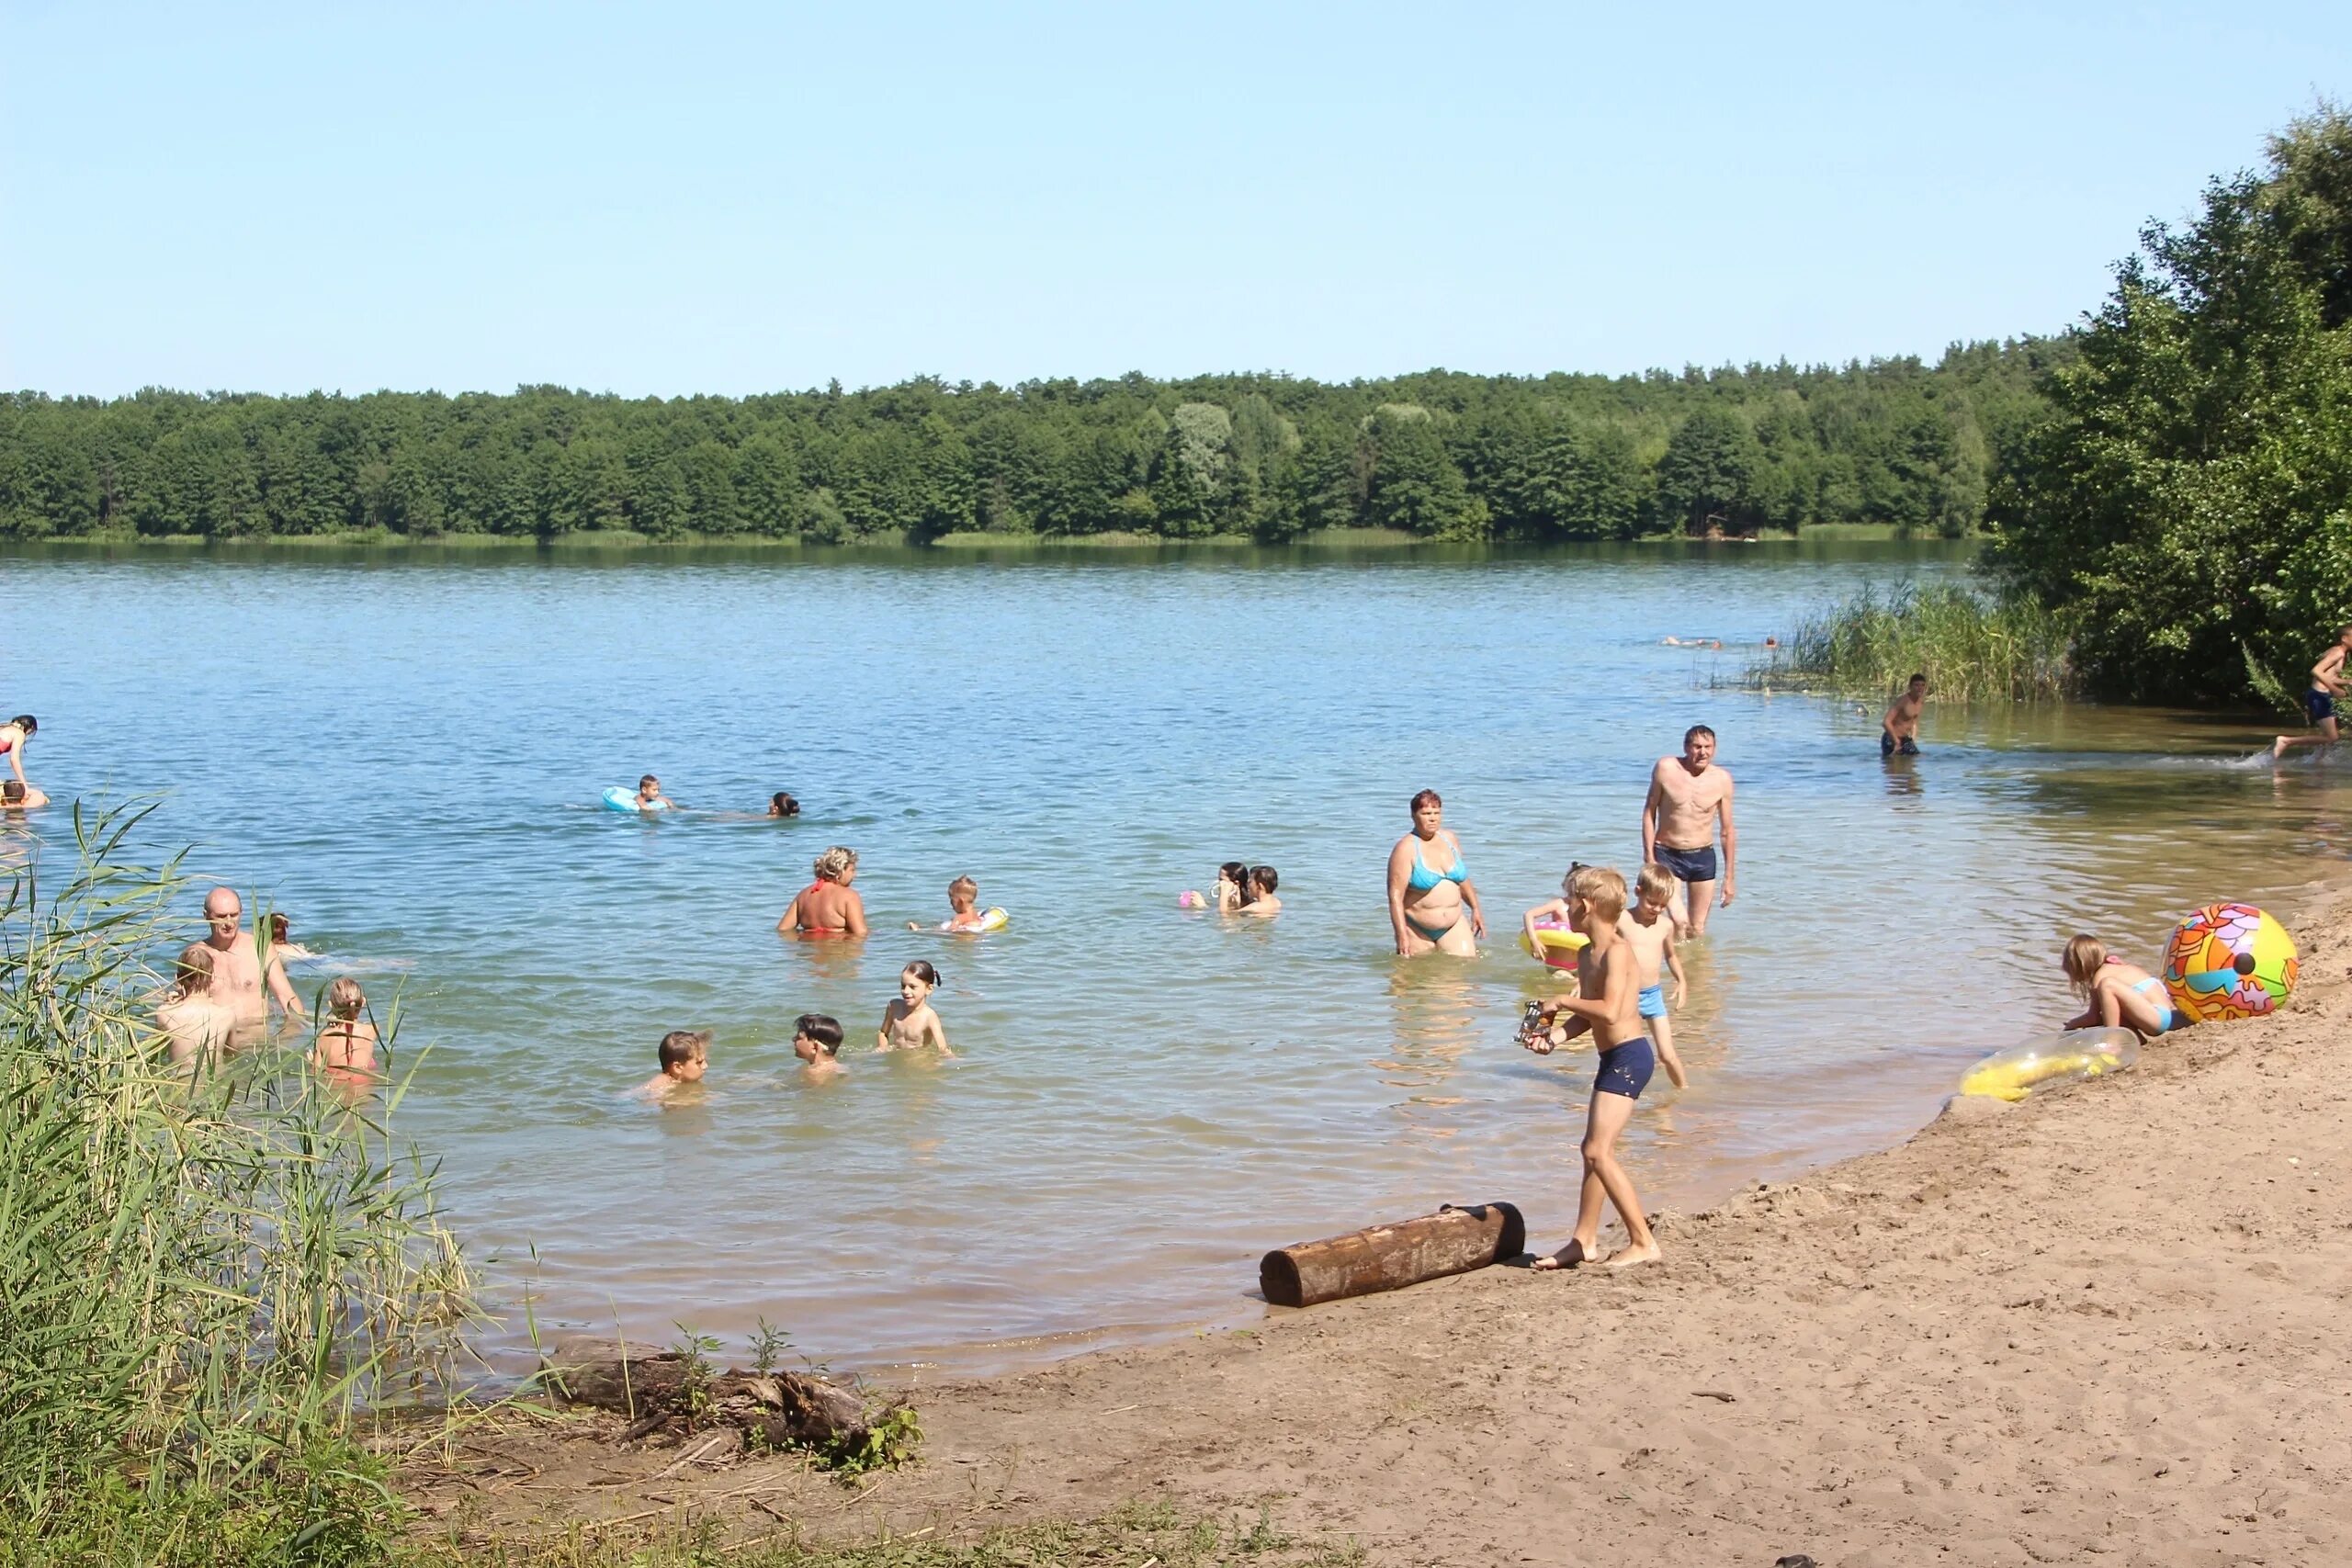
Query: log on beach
<point x="1454" y="1240"/>
<point x="657" y="1389"/>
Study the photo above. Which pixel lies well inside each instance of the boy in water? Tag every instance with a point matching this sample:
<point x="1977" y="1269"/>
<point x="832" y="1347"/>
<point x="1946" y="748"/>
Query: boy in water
<point x="816" y="1041"/>
<point x="685" y="1054"/>
<point x="1262" y="904"/>
<point x="2319" y="703"/>
<point x="1606" y="1003"/>
<point x="650" y="796"/>
<point x="17" y="796"/>
<point x="1899" y="731"/>
<point x="1651" y="926"/>
<point x="963" y="908"/>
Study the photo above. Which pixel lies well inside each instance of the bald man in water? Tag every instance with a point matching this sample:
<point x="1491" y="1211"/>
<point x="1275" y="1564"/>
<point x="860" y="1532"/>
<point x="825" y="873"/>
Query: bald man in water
<point x="1688" y="795"/>
<point x="237" y="974"/>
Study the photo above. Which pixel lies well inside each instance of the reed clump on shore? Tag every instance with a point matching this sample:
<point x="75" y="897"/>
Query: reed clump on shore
<point x="1971" y="649"/>
<point x="209" y="1278"/>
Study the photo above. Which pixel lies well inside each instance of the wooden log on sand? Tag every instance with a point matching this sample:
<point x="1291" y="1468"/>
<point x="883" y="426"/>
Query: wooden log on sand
<point x="660" y="1388"/>
<point x="1454" y="1240"/>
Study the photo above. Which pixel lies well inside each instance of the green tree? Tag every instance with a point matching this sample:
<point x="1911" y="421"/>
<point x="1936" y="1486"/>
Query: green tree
<point x="1708" y="476"/>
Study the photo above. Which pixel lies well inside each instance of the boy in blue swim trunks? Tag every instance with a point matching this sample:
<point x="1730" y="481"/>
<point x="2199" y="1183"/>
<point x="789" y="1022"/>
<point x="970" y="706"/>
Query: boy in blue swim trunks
<point x="1651" y="926"/>
<point x="2319" y="703"/>
<point x="1606" y="1003"/>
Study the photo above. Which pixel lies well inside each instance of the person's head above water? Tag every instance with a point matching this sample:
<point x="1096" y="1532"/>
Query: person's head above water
<point x="27" y="723"/>
<point x="1919" y="682"/>
<point x="918" y="980"/>
<point x="963" y="892"/>
<point x="194" y="976"/>
<point x="1600" y="889"/>
<point x="279" y="931"/>
<point x="648" y="788"/>
<point x="782" y="804"/>
<point x="344" y="998"/>
<point x="1429" y="813"/>
<point x="836" y="864"/>
<point x="820" y="1031"/>
<point x="1654" y="885"/>
<point x="685" y="1052"/>
<point x="1698" y="748"/>
<point x="12" y="793"/>
<point x="1264" y="880"/>
<point x="222" y="910"/>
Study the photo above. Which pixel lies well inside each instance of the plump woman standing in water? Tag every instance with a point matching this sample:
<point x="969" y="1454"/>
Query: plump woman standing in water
<point x="1431" y="905"/>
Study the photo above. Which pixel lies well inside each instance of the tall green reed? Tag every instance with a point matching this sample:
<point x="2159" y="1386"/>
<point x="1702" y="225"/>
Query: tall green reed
<point x="204" y="1269"/>
<point x="1970" y="648"/>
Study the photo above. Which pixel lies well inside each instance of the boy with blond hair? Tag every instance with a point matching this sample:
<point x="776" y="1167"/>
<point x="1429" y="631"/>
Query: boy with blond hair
<point x="1652" y="927"/>
<point x="1606" y="1004"/>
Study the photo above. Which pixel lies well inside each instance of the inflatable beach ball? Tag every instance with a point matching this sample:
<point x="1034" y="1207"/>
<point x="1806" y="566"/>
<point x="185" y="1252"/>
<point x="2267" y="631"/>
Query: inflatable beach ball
<point x="2229" y="961"/>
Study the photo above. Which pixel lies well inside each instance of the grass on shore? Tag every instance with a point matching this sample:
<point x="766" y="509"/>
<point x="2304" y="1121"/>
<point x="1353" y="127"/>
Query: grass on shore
<point x="207" y="1277"/>
<point x="1970" y="648"/>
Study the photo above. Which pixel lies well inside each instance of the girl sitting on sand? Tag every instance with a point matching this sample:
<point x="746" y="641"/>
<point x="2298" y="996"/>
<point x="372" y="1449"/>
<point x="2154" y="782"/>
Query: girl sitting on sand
<point x="2120" y="995"/>
<point x="345" y="1052"/>
<point x="908" y="1023"/>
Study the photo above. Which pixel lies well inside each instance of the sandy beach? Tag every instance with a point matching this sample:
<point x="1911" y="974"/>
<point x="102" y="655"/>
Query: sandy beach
<point x="2104" y="1326"/>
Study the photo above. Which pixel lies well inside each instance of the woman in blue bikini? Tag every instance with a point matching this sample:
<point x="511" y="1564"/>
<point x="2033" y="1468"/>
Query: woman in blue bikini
<point x="1431" y="905"/>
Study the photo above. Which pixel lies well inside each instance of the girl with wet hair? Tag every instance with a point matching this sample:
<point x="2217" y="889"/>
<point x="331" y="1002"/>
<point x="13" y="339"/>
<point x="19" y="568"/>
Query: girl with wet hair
<point x="908" y="1023"/>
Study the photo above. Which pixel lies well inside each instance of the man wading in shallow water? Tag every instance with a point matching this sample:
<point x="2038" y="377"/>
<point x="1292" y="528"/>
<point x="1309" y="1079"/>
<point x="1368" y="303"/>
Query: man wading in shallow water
<point x="237" y="976"/>
<point x="1687" y="795"/>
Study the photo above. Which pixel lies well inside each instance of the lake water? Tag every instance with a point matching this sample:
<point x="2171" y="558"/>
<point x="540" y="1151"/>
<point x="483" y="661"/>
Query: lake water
<point x="404" y="752"/>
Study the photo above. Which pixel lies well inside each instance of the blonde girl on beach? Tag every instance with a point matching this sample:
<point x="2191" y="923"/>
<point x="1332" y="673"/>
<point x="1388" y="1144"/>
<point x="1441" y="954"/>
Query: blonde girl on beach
<point x="908" y="1023"/>
<point x="344" y="1050"/>
<point x="2120" y="995"/>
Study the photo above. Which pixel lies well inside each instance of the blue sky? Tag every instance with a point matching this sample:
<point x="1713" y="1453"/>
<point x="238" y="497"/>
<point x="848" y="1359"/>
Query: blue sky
<point x="732" y="198"/>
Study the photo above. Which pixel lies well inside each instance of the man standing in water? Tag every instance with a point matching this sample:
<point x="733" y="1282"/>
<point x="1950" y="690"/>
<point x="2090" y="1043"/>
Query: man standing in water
<point x="2319" y="703"/>
<point x="1900" y="731"/>
<point x="1687" y="795"/>
<point x="237" y="974"/>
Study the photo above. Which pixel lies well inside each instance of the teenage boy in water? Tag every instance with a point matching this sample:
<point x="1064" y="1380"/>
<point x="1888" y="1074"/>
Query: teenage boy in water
<point x="1900" y="733"/>
<point x="1607" y="1003"/>
<point x="2319" y="703"/>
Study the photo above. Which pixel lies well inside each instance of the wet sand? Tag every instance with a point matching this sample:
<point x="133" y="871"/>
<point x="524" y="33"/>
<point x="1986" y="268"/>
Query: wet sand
<point x="2104" y="1326"/>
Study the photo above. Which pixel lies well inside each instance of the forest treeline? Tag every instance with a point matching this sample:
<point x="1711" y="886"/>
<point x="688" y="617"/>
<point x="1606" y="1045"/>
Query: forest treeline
<point x="1440" y="455"/>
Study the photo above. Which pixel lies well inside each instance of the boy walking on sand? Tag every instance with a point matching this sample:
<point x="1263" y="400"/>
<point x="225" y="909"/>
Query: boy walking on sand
<point x="2319" y="703"/>
<point x="1606" y="1003"/>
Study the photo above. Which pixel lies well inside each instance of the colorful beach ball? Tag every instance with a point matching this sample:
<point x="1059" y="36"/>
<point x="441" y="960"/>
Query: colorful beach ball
<point x="2230" y="960"/>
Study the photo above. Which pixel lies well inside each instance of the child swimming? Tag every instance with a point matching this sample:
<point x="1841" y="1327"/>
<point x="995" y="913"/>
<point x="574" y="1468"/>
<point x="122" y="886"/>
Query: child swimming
<point x="16" y="795"/>
<point x="1261" y="904"/>
<point x="963" y="909"/>
<point x="782" y="804"/>
<point x="2120" y="995"/>
<point x="192" y="1020"/>
<point x="908" y="1023"/>
<point x="281" y="940"/>
<point x="344" y="1050"/>
<point x="1606" y="1004"/>
<point x="1652" y="927"/>
<point x="686" y="1056"/>
<point x="816" y="1041"/>
<point x="650" y="796"/>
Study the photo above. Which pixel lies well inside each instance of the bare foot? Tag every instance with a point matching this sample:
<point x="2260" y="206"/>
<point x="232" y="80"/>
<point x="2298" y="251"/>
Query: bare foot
<point x="1568" y="1257"/>
<point x="1633" y="1256"/>
<point x="2277" y="748"/>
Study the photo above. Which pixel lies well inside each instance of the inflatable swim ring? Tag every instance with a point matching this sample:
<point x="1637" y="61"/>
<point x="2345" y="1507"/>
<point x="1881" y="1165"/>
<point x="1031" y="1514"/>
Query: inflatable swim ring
<point x="2229" y="961"/>
<point x="992" y="919"/>
<point x="1560" y="946"/>
<point x="621" y="800"/>
<point x="2052" y="1059"/>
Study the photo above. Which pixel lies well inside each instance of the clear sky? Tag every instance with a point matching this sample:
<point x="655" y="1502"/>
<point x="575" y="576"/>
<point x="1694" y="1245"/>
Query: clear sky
<point x="721" y="197"/>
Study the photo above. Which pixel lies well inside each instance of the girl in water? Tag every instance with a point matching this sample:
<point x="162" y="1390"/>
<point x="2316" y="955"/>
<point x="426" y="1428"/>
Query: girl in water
<point x="191" y="1020"/>
<point x="345" y="1052"/>
<point x="829" y="906"/>
<point x="1432" y="905"/>
<point x="2120" y="995"/>
<point x="282" y="942"/>
<point x="908" y="1023"/>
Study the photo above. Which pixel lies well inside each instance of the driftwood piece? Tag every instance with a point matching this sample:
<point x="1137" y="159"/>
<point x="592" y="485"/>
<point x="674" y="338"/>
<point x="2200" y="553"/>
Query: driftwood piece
<point x="1454" y="1240"/>
<point x="654" y="1388"/>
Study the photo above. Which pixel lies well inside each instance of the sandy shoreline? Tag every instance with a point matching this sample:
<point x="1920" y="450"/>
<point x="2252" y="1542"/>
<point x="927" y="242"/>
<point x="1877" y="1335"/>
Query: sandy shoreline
<point x="2108" y="1325"/>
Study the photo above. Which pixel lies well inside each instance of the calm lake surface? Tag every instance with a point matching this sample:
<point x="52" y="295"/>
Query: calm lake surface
<point x="404" y="752"/>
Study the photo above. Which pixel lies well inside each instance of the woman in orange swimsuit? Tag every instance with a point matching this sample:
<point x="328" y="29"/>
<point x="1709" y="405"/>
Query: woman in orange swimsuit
<point x="829" y="906"/>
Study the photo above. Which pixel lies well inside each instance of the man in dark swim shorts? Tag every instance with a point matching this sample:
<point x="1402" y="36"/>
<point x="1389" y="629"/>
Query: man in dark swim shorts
<point x="1899" y="731"/>
<point x="2319" y="703"/>
<point x="1688" y="798"/>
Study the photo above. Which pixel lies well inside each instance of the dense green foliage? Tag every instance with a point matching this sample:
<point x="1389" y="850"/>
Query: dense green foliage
<point x="202" y="1276"/>
<point x="1971" y="648"/>
<point x="1439" y="456"/>
<point x="2188" y="500"/>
